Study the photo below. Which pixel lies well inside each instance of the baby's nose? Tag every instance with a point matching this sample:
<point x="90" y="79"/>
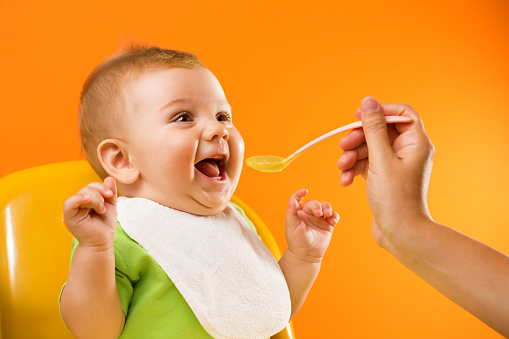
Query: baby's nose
<point x="217" y="130"/>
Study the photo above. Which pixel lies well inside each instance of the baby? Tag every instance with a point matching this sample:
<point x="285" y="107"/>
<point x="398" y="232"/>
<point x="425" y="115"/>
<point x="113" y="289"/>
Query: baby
<point x="171" y="256"/>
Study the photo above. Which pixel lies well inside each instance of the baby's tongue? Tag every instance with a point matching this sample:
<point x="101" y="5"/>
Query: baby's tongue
<point x="208" y="167"/>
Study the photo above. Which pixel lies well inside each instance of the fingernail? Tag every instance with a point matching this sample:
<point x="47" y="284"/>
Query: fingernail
<point x="109" y="192"/>
<point x="369" y="105"/>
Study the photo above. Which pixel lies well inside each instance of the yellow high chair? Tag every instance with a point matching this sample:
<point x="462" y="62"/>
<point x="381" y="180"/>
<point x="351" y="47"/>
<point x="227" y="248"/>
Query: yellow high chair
<point x="35" y="248"/>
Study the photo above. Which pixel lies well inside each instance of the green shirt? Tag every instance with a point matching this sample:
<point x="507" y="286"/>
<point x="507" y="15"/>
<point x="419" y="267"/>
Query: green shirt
<point x="153" y="306"/>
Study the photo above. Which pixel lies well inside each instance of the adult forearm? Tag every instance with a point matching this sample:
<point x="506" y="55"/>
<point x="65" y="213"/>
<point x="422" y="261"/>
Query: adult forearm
<point x="90" y="303"/>
<point x="470" y="273"/>
<point x="300" y="276"/>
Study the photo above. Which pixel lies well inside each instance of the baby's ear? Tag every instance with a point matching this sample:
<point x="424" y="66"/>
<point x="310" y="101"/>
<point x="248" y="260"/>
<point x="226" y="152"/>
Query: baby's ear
<point x="114" y="158"/>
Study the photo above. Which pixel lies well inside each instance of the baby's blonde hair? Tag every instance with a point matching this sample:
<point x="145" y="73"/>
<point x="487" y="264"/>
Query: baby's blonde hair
<point x="104" y="100"/>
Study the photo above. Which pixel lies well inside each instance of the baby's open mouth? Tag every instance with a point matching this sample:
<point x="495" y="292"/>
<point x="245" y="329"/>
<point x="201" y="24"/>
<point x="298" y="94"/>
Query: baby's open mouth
<point x="212" y="168"/>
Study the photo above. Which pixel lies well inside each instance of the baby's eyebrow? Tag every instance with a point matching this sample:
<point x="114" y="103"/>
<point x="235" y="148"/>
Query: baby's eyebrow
<point x="227" y="105"/>
<point x="173" y="102"/>
<point x="184" y="100"/>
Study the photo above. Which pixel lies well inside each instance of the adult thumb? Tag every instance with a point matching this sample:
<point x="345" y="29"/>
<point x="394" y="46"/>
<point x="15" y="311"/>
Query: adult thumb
<point x="375" y="131"/>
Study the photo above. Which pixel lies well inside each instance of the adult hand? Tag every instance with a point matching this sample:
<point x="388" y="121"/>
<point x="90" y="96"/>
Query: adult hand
<point x="396" y="161"/>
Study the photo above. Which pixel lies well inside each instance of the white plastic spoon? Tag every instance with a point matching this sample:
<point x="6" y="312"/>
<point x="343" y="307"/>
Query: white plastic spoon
<point x="271" y="163"/>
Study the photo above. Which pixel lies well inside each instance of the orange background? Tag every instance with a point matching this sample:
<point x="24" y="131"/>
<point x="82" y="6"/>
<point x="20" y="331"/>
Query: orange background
<point x="293" y="70"/>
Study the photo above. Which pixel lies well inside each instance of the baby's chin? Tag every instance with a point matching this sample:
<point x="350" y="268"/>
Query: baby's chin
<point x="209" y="208"/>
<point x="199" y="206"/>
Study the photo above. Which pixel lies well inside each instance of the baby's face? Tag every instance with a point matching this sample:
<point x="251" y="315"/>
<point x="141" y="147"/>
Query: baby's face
<point x="183" y="141"/>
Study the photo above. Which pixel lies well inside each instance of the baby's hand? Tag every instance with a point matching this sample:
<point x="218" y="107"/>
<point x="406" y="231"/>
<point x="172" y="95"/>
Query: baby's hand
<point x="309" y="227"/>
<point x="91" y="215"/>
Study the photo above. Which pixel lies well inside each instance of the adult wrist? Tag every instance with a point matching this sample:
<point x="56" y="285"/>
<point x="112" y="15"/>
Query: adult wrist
<point x="408" y="235"/>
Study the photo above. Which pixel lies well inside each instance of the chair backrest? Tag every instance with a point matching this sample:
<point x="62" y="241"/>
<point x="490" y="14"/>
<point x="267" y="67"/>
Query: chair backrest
<point x="35" y="247"/>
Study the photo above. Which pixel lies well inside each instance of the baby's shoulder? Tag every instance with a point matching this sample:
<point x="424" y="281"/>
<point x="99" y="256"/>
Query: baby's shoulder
<point x="122" y="241"/>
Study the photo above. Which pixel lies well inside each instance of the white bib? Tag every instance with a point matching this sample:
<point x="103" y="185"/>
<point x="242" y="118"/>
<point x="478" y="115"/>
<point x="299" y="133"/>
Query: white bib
<point x="226" y="274"/>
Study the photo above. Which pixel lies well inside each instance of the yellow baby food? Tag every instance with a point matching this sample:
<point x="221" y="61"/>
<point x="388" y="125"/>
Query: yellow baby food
<point x="267" y="163"/>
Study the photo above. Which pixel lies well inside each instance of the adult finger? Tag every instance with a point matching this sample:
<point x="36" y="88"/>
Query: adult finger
<point x="404" y="110"/>
<point x="352" y="140"/>
<point x="360" y="168"/>
<point x="375" y="131"/>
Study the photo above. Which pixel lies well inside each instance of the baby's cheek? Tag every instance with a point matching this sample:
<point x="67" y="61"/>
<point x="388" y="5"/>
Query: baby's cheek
<point x="236" y="143"/>
<point x="181" y="151"/>
<point x="237" y="147"/>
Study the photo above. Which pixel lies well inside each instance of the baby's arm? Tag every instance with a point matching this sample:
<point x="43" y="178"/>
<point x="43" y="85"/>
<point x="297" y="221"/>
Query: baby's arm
<point x="90" y="304"/>
<point x="309" y="229"/>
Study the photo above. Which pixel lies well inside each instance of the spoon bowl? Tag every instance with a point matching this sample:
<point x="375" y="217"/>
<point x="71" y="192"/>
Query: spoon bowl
<point x="271" y="163"/>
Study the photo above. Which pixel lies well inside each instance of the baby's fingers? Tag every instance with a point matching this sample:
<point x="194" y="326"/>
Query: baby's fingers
<point x="80" y="206"/>
<point x="92" y="200"/>
<point x="326" y="209"/>
<point x="333" y="219"/>
<point x="73" y="204"/>
<point x="314" y="208"/>
<point x="294" y="206"/>
<point x="296" y="200"/>
<point x="111" y="189"/>
<point x="320" y="210"/>
<point x="106" y="189"/>
<point x="93" y="197"/>
<point x="317" y="222"/>
<point x="319" y="213"/>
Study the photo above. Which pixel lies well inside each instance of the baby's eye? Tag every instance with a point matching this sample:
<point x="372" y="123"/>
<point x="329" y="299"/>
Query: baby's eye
<point x="223" y="116"/>
<point x="184" y="117"/>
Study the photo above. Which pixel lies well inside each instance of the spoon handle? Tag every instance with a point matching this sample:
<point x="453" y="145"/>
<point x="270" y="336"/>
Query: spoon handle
<point x="388" y="119"/>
